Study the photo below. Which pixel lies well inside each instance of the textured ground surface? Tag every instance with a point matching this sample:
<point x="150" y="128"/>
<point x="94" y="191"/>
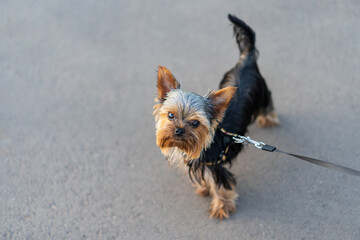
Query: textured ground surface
<point x="77" y="147"/>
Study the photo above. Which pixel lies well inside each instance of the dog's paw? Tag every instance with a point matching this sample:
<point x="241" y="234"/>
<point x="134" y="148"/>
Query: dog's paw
<point x="269" y="120"/>
<point x="221" y="209"/>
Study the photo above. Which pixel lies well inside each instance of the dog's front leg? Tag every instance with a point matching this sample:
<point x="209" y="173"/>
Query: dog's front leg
<point x="223" y="200"/>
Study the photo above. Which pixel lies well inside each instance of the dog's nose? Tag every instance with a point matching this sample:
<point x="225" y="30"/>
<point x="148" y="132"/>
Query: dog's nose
<point x="179" y="131"/>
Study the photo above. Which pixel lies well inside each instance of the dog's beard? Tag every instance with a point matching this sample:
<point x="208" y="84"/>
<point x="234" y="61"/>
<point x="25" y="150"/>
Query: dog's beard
<point x="191" y="144"/>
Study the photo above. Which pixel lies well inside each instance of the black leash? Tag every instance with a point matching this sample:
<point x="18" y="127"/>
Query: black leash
<point x="315" y="161"/>
<point x="260" y="145"/>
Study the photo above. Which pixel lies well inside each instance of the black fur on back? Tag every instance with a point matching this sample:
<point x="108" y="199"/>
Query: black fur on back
<point x="251" y="97"/>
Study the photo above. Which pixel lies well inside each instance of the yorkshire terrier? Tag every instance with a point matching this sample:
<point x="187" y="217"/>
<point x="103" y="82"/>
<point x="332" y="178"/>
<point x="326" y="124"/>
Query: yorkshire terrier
<point x="196" y="131"/>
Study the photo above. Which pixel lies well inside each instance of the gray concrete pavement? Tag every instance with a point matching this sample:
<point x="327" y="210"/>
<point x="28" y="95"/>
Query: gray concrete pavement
<point x="77" y="141"/>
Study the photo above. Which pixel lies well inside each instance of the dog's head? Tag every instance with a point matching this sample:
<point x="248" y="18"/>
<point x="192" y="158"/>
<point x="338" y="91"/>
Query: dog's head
<point x="186" y="120"/>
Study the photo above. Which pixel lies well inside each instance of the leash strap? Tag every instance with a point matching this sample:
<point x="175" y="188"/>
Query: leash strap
<point x="315" y="161"/>
<point x="260" y="145"/>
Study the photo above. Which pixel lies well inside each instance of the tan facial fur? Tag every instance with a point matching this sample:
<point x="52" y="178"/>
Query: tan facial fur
<point x="194" y="140"/>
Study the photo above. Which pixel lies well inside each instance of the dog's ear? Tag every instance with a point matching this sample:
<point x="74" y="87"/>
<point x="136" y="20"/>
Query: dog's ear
<point x="165" y="82"/>
<point x="220" y="101"/>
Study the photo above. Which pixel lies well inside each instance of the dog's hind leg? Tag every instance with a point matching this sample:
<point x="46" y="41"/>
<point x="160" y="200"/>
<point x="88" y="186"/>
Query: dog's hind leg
<point x="267" y="116"/>
<point x="268" y="120"/>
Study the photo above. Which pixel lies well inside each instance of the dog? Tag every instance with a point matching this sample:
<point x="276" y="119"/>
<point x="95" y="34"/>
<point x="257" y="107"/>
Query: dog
<point x="196" y="131"/>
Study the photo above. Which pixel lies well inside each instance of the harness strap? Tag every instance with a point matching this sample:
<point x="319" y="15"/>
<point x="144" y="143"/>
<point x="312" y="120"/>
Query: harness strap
<point x="222" y="159"/>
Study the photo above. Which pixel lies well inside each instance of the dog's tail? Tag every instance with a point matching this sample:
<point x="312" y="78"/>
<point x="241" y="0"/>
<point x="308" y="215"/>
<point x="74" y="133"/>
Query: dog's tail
<point x="245" y="36"/>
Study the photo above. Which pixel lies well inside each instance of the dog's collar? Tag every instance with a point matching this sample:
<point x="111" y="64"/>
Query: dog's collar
<point x="242" y="139"/>
<point x="228" y="133"/>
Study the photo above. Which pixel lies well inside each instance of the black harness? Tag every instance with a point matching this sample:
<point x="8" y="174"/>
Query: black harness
<point x="223" y="158"/>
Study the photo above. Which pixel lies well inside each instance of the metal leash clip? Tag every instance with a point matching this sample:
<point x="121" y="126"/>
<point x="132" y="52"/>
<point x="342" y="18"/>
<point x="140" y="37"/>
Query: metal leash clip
<point x="243" y="139"/>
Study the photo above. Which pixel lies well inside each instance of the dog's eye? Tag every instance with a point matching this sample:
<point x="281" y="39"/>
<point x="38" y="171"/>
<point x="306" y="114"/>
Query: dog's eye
<point x="170" y="116"/>
<point x="194" y="123"/>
